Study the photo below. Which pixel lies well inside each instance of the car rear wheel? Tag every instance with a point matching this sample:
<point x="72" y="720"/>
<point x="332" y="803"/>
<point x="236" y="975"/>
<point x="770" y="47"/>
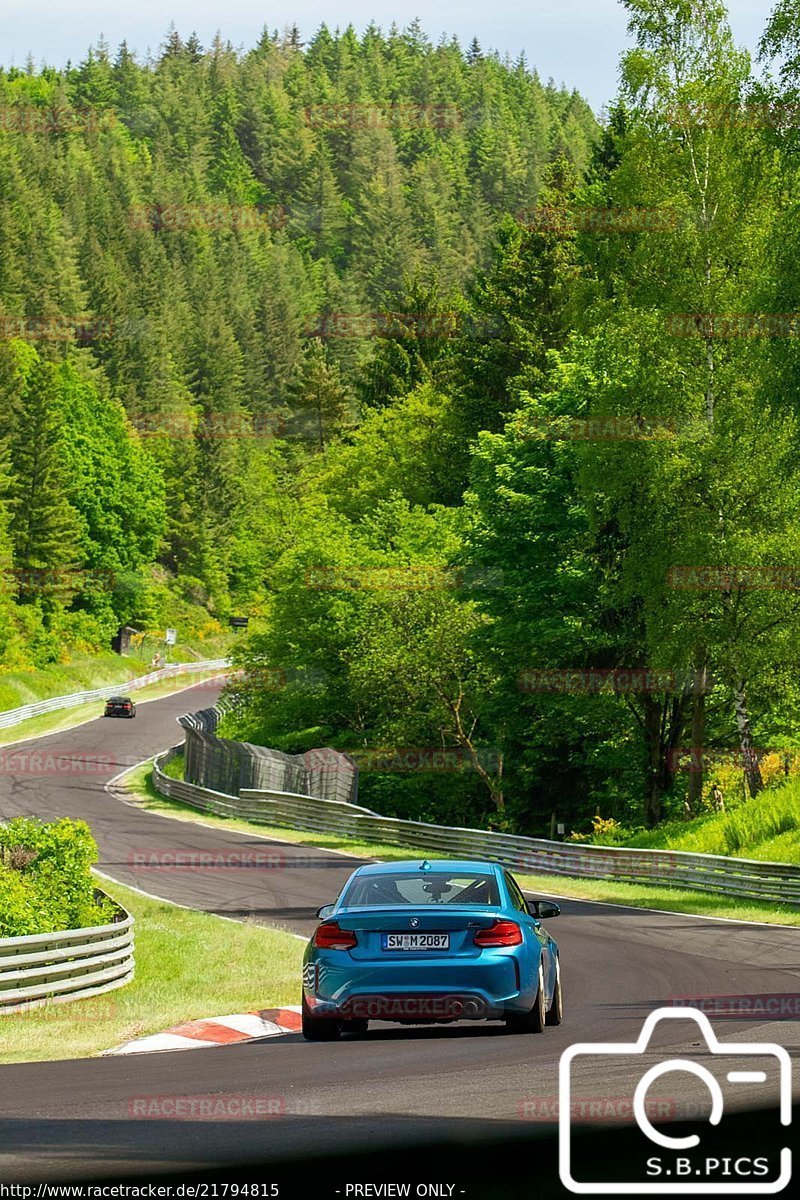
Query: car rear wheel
<point x="320" y="1029"/>
<point x="555" y="1013"/>
<point x="533" y="1021"/>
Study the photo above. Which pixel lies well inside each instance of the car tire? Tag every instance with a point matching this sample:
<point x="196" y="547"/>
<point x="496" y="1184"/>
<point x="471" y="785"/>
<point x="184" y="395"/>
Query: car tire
<point x="320" y="1029"/>
<point x="555" y="1013"/>
<point x="533" y="1021"/>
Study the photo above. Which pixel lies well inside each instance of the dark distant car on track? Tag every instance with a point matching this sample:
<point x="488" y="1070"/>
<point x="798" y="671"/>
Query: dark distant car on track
<point x="431" y="942"/>
<point x="120" y="706"/>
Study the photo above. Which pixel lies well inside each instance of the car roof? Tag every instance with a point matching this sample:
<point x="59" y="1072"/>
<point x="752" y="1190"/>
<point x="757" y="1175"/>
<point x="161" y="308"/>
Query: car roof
<point x="452" y="865"/>
<point x="126" y="698"/>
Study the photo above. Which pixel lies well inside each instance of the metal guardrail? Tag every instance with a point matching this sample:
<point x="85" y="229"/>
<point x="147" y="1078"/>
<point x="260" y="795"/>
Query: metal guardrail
<point x="14" y="716"/>
<point x="48" y="968"/>
<point x="736" y="877"/>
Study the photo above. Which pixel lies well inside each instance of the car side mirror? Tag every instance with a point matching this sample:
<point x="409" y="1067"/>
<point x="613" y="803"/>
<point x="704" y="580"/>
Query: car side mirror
<point x="543" y="909"/>
<point x="326" y="910"/>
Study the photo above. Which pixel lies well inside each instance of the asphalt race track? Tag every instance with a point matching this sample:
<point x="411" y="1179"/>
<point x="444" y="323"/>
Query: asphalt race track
<point x="397" y="1086"/>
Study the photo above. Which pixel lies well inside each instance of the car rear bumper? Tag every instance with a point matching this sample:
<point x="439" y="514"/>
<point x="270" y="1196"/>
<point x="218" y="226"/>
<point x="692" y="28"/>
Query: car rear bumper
<point x="482" y="989"/>
<point x="414" y="1009"/>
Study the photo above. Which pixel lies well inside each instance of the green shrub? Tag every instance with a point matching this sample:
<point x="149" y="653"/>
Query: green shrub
<point x="770" y="814"/>
<point x="606" y="831"/>
<point x="46" y="883"/>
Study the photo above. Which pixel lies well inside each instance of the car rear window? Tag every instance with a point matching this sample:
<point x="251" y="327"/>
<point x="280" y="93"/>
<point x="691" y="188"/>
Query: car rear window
<point x="416" y="888"/>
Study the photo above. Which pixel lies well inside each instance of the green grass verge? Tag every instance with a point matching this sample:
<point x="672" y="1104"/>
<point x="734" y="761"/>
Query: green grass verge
<point x="682" y="900"/>
<point x="188" y="965"/>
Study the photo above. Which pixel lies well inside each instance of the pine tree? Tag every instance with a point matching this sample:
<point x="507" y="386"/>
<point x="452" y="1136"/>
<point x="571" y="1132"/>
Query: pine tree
<point x="521" y="309"/>
<point x="44" y="526"/>
<point x="7" y="584"/>
<point x="173" y="45"/>
<point x="194" y="51"/>
<point x="320" y="213"/>
<point x="319" y="394"/>
<point x="418" y="335"/>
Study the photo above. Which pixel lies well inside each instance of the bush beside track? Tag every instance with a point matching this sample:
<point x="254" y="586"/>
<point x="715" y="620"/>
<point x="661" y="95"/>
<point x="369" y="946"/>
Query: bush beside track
<point x="188" y="964"/>
<point x="46" y="884"/>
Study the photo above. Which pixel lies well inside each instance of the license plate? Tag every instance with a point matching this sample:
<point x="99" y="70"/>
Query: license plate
<point x="415" y="941"/>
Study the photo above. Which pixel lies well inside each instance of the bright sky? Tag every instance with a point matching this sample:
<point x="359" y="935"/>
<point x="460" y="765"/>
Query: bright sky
<point x="574" y="41"/>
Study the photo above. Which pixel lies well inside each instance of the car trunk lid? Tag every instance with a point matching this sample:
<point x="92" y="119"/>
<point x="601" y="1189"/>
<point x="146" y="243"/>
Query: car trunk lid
<point x="372" y="924"/>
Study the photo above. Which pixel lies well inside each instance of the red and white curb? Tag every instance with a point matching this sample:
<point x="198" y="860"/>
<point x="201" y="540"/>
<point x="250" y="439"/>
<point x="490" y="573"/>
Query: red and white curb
<point x="217" y="1031"/>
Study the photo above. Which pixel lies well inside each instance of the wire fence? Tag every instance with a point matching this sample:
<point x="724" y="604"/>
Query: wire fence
<point x="230" y="767"/>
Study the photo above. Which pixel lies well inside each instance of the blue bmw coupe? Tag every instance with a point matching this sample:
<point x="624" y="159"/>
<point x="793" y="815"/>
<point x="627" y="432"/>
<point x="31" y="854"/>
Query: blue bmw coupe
<point x="431" y="942"/>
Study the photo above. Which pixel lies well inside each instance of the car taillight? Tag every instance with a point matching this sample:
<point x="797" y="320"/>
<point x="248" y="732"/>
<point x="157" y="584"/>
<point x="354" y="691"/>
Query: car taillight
<point x="330" y="937"/>
<point x="501" y="933"/>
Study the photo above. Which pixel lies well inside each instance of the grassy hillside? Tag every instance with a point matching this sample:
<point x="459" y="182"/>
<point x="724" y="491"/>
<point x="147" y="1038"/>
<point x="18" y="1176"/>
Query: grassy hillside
<point x="86" y="672"/>
<point x="766" y="828"/>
